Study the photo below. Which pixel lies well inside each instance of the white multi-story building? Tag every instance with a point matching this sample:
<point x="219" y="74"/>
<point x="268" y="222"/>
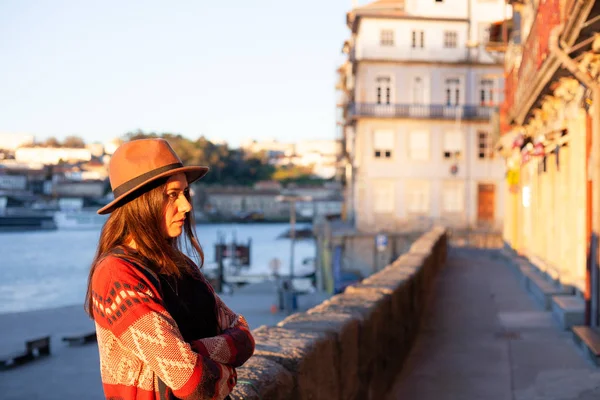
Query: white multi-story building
<point x="417" y="99"/>
<point x="51" y="155"/>
<point x="11" y="141"/>
<point x="321" y="156"/>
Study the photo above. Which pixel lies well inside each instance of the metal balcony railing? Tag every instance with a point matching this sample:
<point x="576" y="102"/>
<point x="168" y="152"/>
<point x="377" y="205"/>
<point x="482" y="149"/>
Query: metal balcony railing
<point x="421" y="111"/>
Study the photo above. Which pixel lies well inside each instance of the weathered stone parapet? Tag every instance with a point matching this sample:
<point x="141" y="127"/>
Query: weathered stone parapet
<point x="344" y="327"/>
<point x="352" y="345"/>
<point x="261" y="378"/>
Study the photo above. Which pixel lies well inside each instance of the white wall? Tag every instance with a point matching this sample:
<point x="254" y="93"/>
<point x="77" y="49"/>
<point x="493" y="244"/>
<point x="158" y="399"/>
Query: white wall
<point x="482" y="14"/>
<point x="402" y="171"/>
<point x="434" y="64"/>
<point x="325" y="147"/>
<point x="11" y="141"/>
<point x="368" y="40"/>
<point x="443" y="9"/>
<point x="403" y="77"/>
<point x="486" y="12"/>
<point x="46" y="155"/>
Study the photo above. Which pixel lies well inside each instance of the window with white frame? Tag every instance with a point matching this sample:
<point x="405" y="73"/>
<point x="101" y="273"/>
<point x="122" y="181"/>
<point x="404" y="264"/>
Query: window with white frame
<point x="383" y="89"/>
<point x="453" y="86"/>
<point x="418" y="90"/>
<point x="418" y="197"/>
<point x="383" y="143"/>
<point x="383" y="197"/>
<point x="386" y="37"/>
<point x="418" y="39"/>
<point x="453" y="199"/>
<point x="484" y="146"/>
<point x="418" y="145"/>
<point x="453" y="144"/>
<point x="486" y="92"/>
<point x="484" y="32"/>
<point x="450" y="39"/>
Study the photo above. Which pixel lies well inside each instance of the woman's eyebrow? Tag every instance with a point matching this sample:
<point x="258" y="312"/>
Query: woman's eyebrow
<point x="177" y="188"/>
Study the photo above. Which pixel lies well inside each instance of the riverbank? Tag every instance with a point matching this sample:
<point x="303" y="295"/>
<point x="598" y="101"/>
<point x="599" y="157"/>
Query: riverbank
<point x="73" y="372"/>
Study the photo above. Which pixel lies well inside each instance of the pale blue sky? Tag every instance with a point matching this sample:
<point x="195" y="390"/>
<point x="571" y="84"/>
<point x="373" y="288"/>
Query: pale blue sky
<point x="230" y="70"/>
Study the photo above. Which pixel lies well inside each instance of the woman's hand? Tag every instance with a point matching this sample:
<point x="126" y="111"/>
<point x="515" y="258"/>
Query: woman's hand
<point x="233" y="347"/>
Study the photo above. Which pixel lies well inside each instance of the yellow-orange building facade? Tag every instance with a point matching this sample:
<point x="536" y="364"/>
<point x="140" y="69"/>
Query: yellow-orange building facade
<point x="546" y="207"/>
<point x="551" y="122"/>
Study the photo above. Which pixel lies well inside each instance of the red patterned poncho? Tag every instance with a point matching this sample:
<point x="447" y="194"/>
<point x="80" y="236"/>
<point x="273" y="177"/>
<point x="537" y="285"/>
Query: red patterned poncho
<point x="142" y="352"/>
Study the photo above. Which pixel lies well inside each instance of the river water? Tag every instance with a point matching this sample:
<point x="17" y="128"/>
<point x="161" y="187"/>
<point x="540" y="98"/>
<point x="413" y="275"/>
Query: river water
<point x="48" y="269"/>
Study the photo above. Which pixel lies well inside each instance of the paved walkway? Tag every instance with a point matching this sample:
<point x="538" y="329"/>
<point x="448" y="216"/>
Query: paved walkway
<point x="483" y="337"/>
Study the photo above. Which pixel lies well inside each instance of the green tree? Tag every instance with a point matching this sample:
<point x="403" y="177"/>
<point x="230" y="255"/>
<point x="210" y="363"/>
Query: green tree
<point x="74" y="142"/>
<point x="227" y="166"/>
<point x="51" y="142"/>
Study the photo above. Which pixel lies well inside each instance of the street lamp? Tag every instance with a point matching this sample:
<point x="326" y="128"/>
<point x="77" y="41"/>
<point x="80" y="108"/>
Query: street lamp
<point x="292" y="199"/>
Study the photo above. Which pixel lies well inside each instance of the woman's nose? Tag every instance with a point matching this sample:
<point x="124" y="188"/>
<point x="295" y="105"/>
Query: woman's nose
<point x="185" y="205"/>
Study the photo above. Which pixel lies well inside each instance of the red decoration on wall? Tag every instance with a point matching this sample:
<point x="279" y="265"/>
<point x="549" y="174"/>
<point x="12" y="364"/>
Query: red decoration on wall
<point x="519" y="140"/>
<point x="525" y="156"/>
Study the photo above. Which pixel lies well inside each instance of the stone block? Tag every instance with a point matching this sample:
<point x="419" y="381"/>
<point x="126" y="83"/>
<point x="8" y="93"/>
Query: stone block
<point x="401" y="327"/>
<point x="308" y="356"/>
<point x="345" y="328"/>
<point x="568" y="311"/>
<point x="413" y="263"/>
<point x="263" y="379"/>
<point x="373" y="309"/>
<point x="543" y="290"/>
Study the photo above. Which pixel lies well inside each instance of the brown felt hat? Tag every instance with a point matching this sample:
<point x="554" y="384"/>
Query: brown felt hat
<point x="135" y="164"/>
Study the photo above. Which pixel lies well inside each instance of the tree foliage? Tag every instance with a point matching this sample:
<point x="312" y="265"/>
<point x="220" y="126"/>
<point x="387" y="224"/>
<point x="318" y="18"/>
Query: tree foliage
<point x="69" y="141"/>
<point x="227" y="166"/>
<point x="51" y="142"/>
<point x="74" y="142"/>
<point x="296" y="174"/>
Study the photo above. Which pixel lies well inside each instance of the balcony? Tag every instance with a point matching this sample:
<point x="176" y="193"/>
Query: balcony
<point x="500" y="32"/>
<point x="421" y="111"/>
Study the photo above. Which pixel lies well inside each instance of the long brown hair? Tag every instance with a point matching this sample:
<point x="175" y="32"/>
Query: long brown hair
<point x="141" y="220"/>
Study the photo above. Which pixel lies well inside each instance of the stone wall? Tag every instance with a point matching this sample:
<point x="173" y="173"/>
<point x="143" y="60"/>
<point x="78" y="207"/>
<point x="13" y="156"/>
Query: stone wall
<point x="351" y="346"/>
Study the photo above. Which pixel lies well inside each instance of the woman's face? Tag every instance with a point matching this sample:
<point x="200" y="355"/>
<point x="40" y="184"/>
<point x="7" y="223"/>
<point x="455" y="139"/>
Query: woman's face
<point x="177" y="205"/>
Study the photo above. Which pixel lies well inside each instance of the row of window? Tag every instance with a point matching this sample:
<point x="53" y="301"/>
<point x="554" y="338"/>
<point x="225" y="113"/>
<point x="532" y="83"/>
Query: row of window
<point x="453" y="94"/>
<point x="419" y="145"/>
<point x="386" y="38"/>
<point x="418" y="197"/>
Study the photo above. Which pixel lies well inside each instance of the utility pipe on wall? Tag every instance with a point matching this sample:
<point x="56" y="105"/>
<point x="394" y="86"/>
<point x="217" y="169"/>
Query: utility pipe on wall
<point x="591" y="294"/>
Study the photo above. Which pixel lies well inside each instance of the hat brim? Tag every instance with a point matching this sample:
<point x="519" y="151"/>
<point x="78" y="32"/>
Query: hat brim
<point x="192" y="174"/>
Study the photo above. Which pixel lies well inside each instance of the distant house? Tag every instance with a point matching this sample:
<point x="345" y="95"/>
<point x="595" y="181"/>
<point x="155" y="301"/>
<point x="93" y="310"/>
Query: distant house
<point x="11" y="141"/>
<point x="268" y="185"/>
<point x="321" y="155"/>
<point x="30" y="177"/>
<point x="87" y="188"/>
<point x="230" y="202"/>
<point x="51" y="155"/>
<point x="318" y="192"/>
<point x="13" y="182"/>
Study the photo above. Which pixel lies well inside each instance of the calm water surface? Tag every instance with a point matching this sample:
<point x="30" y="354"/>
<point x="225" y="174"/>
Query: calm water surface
<point x="48" y="269"/>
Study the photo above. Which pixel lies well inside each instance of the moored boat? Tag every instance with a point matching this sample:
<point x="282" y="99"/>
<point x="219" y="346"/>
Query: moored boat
<point x="79" y="219"/>
<point x="26" y="222"/>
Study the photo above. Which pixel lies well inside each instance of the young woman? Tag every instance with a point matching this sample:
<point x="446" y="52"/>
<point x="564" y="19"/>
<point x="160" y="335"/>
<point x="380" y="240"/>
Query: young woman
<point x="162" y="331"/>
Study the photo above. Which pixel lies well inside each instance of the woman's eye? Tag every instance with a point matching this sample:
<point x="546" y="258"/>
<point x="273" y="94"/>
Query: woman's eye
<point x="172" y="196"/>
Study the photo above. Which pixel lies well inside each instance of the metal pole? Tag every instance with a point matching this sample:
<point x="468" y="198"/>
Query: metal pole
<point x="220" y="266"/>
<point x="292" y="236"/>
